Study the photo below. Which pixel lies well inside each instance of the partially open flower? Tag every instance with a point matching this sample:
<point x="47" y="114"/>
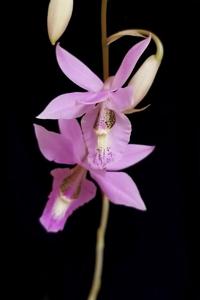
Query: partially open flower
<point x="59" y="14"/>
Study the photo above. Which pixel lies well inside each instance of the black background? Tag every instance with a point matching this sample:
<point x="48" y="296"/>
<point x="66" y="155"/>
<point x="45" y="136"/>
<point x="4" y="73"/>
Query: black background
<point x="151" y="255"/>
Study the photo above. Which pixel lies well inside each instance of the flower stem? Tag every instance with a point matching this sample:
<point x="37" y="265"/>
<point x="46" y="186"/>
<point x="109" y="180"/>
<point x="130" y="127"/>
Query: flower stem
<point x="157" y="41"/>
<point x="142" y="33"/>
<point x="96" y="284"/>
<point x="105" y="53"/>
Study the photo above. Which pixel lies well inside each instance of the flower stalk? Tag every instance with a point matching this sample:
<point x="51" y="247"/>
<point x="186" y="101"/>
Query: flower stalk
<point x="140" y="33"/>
<point x="96" y="284"/>
<point x="100" y="243"/>
<point x="105" y="53"/>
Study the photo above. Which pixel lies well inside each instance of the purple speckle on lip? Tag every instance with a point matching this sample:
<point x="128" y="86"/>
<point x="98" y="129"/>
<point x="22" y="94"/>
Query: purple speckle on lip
<point x="105" y="119"/>
<point x="102" y="157"/>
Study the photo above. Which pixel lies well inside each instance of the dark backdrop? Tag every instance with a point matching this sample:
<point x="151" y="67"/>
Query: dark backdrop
<point x="148" y="255"/>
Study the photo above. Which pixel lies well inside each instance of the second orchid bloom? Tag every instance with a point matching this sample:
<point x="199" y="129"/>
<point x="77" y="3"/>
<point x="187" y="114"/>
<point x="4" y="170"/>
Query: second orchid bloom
<point x="71" y="189"/>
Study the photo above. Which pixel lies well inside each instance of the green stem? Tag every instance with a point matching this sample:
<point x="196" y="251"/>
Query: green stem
<point x="105" y="53"/>
<point x="96" y="284"/>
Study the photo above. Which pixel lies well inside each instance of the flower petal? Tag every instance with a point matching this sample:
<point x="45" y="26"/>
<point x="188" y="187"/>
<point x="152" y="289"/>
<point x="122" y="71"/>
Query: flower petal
<point x="71" y="129"/>
<point x="49" y="220"/>
<point x="105" y="148"/>
<point x="129" y="63"/>
<point x="76" y="71"/>
<point x="54" y="146"/>
<point x="132" y="154"/>
<point x="121" y="99"/>
<point x="96" y="98"/>
<point x="66" y="106"/>
<point x="119" y="188"/>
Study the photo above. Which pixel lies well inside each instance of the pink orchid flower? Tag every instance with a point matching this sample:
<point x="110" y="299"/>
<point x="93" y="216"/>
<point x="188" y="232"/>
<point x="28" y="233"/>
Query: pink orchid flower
<point x="105" y="127"/>
<point x="71" y="189"/>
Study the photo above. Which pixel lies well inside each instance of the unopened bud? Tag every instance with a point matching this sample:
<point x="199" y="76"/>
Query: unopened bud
<point x="59" y="14"/>
<point x="143" y="78"/>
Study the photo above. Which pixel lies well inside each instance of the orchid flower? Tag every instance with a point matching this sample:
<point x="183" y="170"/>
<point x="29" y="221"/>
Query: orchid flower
<point x="105" y="127"/>
<point x="71" y="189"/>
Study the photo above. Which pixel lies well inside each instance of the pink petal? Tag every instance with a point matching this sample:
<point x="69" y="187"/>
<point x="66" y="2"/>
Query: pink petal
<point x="76" y="71"/>
<point x="54" y="146"/>
<point x="96" y="98"/>
<point x="119" y="188"/>
<point x="117" y="139"/>
<point x="88" y="191"/>
<point x="129" y="63"/>
<point x="71" y="129"/>
<point x="121" y="99"/>
<point x="66" y="106"/>
<point x="133" y="154"/>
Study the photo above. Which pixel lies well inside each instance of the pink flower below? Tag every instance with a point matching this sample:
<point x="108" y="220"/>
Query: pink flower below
<point x="70" y="188"/>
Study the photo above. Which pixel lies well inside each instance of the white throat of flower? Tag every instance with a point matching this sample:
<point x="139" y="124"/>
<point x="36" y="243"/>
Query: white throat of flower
<point x="102" y="141"/>
<point x="69" y="191"/>
<point x="60" y="206"/>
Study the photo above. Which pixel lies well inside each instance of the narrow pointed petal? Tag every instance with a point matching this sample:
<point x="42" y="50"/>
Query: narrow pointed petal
<point x="59" y="15"/>
<point x="56" y="214"/>
<point x="66" y="106"/>
<point x="54" y="146"/>
<point x="133" y="154"/>
<point x="121" y="99"/>
<point x="71" y="129"/>
<point x="119" y="188"/>
<point x="105" y="148"/>
<point x="143" y="79"/>
<point x="129" y="63"/>
<point x="77" y="72"/>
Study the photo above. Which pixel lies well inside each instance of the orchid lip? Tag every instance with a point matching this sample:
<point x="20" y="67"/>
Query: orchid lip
<point x="71" y="185"/>
<point x="105" y="120"/>
<point x="69" y="191"/>
<point x="60" y="206"/>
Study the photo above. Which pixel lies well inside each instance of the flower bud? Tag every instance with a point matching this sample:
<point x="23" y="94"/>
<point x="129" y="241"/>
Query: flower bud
<point x="59" y="14"/>
<point x="143" y="78"/>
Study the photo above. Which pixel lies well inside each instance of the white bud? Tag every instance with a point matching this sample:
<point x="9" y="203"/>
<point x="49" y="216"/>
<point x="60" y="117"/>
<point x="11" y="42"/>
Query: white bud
<point x="143" y="78"/>
<point x="59" y="14"/>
